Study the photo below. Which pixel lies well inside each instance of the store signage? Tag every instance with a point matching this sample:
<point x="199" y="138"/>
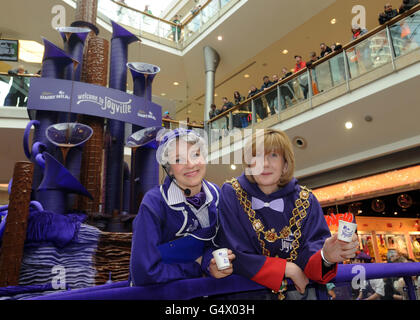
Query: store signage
<point x="9" y="50"/>
<point x="84" y="98"/>
<point x="332" y="219"/>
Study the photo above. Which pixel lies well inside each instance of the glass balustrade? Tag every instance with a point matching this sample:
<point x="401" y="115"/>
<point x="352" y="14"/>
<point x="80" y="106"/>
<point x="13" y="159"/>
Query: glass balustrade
<point x="209" y="11"/>
<point x="223" y="3"/>
<point x="13" y="90"/>
<point x="219" y="128"/>
<point x="287" y="94"/>
<point x="369" y="54"/>
<point x="160" y="30"/>
<point x="328" y="74"/>
<point x="143" y="24"/>
<point x="405" y="34"/>
<point x="270" y="104"/>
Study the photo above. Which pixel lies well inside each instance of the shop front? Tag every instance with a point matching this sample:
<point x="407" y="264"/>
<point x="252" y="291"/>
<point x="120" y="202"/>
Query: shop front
<point x="386" y="208"/>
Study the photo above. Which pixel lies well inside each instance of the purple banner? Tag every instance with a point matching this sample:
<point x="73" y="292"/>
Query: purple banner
<point x="84" y="98"/>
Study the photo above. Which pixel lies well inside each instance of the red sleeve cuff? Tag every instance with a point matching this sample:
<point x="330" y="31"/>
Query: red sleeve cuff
<point x="313" y="269"/>
<point x="271" y="274"/>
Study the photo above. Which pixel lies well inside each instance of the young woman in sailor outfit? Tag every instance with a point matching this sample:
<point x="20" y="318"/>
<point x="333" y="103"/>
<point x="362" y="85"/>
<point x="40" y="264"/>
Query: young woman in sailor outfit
<point x="174" y="230"/>
<point x="274" y="226"/>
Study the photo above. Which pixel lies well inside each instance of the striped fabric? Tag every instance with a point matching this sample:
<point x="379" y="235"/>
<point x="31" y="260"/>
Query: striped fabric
<point x="76" y="258"/>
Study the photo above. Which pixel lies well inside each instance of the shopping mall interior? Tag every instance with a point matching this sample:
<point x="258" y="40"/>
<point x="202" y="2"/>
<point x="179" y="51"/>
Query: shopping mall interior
<point x="352" y="115"/>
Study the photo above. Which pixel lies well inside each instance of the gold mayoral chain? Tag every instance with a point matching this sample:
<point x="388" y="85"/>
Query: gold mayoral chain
<point x="299" y="213"/>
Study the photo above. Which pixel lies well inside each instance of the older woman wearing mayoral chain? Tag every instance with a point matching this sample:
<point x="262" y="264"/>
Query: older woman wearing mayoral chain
<point x="174" y="229"/>
<point x="274" y="226"/>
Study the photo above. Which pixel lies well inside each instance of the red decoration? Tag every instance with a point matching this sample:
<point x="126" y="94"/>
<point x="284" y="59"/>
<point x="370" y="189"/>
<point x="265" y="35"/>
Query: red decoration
<point x="333" y="219"/>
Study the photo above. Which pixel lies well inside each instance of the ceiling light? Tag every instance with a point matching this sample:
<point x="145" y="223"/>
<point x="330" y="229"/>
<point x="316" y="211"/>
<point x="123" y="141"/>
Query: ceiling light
<point x="395" y="213"/>
<point x="31" y="51"/>
<point x="300" y="142"/>
<point x="220" y="38"/>
<point x="163" y="94"/>
<point x="246" y="76"/>
<point x="349" y="125"/>
<point x="333" y="21"/>
<point x="285" y="51"/>
<point x="233" y="167"/>
<point x="176" y="83"/>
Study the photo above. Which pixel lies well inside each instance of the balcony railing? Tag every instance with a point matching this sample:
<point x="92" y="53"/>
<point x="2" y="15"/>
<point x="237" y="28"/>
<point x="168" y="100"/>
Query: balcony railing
<point x="14" y="89"/>
<point x="382" y="46"/>
<point x="174" y="124"/>
<point x="176" y="35"/>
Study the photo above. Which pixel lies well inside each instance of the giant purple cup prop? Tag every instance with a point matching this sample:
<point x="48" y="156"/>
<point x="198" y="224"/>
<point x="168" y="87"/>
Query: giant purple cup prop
<point x="74" y="40"/>
<point x="145" y="138"/>
<point x="68" y="135"/>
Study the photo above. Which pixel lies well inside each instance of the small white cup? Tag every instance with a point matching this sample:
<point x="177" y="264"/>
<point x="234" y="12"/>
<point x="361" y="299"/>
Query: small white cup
<point x="346" y="230"/>
<point x="221" y="257"/>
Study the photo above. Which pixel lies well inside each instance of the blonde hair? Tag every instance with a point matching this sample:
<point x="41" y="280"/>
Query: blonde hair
<point x="277" y="141"/>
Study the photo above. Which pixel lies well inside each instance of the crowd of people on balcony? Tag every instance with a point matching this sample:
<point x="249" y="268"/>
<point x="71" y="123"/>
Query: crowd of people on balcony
<point x="289" y="92"/>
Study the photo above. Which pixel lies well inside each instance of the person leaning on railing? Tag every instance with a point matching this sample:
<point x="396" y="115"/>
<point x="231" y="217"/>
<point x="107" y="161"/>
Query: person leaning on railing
<point x="214" y="111"/>
<point x="388" y="14"/>
<point x="269" y="96"/>
<point x="19" y="88"/>
<point x="303" y="79"/>
<point x="407" y="5"/>
<point x="313" y="58"/>
<point x="324" y="50"/>
<point x="286" y="90"/>
<point x="243" y="111"/>
<point x="177" y="221"/>
<point x="259" y="108"/>
<point x="275" y="227"/>
<point x="176" y="30"/>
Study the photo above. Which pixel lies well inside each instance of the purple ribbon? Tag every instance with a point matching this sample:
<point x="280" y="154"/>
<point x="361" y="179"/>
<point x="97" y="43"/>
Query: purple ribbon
<point x="277" y="205"/>
<point x="198" y="200"/>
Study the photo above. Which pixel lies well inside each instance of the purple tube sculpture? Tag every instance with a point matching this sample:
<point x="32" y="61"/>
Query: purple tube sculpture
<point x="126" y="188"/>
<point x="121" y="38"/>
<point x="74" y="42"/>
<point x="54" y="64"/>
<point x="145" y="169"/>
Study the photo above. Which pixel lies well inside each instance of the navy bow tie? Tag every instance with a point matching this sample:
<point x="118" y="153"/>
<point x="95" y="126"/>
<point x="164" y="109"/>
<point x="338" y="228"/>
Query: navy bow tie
<point x="277" y="205"/>
<point x="198" y="200"/>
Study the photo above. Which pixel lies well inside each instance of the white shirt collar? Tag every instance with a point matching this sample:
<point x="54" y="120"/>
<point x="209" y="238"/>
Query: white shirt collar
<point x="176" y="195"/>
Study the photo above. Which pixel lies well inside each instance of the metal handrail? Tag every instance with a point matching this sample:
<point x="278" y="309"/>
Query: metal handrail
<point x="192" y="16"/>
<point x="145" y="13"/>
<point x="29" y="75"/>
<point x="182" y="122"/>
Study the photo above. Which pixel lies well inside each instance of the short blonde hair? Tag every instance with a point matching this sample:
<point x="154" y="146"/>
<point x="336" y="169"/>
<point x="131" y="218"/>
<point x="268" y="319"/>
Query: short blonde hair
<point x="277" y="141"/>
